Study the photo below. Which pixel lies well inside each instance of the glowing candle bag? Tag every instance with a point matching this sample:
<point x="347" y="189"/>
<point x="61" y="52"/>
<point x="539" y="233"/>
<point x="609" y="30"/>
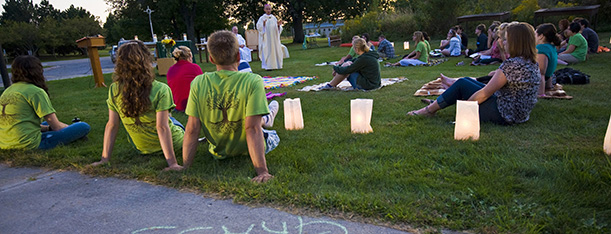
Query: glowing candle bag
<point x="607" y="144"/>
<point x="293" y="117"/>
<point x="360" y="115"/>
<point x="406" y="45"/>
<point x="467" y="120"/>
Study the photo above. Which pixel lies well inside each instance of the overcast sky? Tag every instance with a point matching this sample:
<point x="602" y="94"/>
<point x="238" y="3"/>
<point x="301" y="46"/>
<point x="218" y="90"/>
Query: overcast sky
<point x="96" y="7"/>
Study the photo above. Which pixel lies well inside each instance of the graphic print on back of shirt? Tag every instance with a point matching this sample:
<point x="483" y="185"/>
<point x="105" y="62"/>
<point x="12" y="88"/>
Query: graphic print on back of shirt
<point x="224" y="102"/>
<point x="9" y="99"/>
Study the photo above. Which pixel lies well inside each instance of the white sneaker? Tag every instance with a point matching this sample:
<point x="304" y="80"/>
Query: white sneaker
<point x="273" y="111"/>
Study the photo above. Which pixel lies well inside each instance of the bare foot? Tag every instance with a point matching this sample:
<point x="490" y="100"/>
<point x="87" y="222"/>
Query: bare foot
<point x="174" y="168"/>
<point x="446" y="82"/>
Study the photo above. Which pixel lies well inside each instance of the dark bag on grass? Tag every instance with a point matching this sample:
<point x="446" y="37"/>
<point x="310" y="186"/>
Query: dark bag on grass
<point x="571" y="76"/>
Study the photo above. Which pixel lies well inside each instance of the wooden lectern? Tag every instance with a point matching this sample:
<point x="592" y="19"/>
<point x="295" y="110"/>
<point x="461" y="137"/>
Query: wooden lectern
<point x="92" y="44"/>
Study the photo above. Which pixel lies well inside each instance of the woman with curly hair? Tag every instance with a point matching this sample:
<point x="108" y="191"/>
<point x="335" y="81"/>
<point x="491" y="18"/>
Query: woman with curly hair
<point x="23" y="105"/>
<point x="142" y="104"/>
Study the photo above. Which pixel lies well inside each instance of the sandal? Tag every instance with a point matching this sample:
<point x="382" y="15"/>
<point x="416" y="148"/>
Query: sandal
<point x="427" y="114"/>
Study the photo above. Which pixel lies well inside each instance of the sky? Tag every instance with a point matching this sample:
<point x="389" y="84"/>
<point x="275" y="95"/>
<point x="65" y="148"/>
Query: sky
<point x="96" y="7"/>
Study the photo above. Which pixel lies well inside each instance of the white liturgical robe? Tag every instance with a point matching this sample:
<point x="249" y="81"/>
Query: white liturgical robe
<point x="270" y="48"/>
<point x="244" y="51"/>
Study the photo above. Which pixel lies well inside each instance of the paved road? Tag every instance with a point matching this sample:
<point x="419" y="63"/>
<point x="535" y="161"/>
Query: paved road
<point x="66" y="69"/>
<point x="38" y="201"/>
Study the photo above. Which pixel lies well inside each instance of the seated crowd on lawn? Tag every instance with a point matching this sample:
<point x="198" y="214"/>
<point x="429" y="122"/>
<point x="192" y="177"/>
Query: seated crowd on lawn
<point x="231" y="108"/>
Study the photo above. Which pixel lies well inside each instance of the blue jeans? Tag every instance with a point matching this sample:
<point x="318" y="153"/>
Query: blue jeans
<point x="175" y="122"/>
<point x="352" y="79"/>
<point x="463" y="89"/>
<point x="68" y="134"/>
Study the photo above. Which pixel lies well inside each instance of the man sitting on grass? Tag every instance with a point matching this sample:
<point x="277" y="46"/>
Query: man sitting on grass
<point x="230" y="106"/>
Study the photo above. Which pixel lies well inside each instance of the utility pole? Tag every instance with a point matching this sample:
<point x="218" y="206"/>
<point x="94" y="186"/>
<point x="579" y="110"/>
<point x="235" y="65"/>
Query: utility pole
<point x="149" y="11"/>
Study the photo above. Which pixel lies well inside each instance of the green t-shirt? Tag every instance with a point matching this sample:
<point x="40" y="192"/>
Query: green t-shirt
<point x="23" y="105"/>
<point x="222" y="100"/>
<point x="352" y="53"/>
<point x="424" y="52"/>
<point x="581" y="46"/>
<point x="142" y="130"/>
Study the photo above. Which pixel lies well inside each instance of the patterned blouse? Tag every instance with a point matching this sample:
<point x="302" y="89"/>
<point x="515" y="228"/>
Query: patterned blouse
<point x="518" y="97"/>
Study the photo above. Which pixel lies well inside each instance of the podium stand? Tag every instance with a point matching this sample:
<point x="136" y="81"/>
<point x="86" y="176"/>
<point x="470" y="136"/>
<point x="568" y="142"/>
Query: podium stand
<point x="92" y="44"/>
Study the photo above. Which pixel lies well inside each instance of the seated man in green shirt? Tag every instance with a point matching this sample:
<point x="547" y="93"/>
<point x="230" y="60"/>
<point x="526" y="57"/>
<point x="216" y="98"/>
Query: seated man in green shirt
<point x="231" y="108"/>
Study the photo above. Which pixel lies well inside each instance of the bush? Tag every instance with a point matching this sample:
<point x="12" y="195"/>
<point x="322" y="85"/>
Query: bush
<point x="395" y="26"/>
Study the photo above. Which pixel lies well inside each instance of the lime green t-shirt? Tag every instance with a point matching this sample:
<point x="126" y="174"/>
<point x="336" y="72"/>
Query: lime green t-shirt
<point x="581" y="46"/>
<point x="352" y="53"/>
<point x="23" y="105"/>
<point x="424" y="52"/>
<point x="142" y="130"/>
<point x="222" y="100"/>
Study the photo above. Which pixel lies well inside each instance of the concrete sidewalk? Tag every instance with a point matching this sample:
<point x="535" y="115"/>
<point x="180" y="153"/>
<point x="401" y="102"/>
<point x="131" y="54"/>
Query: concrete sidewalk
<point x="39" y="201"/>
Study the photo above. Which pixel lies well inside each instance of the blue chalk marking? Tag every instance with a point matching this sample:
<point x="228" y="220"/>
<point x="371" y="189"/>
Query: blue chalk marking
<point x="154" y="228"/>
<point x="301" y="225"/>
<point x="285" y="231"/>
<point x="195" y="229"/>
<point x="247" y="231"/>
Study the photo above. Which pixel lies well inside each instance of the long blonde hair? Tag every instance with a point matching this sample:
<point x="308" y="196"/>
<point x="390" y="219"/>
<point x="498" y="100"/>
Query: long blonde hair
<point x="361" y="45"/>
<point x="134" y="76"/>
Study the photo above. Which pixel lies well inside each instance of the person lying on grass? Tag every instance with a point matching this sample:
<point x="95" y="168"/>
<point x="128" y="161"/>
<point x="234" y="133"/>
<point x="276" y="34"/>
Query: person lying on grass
<point x="24" y="103"/>
<point x="142" y="104"/>
<point x="517" y="82"/>
<point x="419" y="56"/>
<point x="363" y="73"/>
<point x="231" y="108"/>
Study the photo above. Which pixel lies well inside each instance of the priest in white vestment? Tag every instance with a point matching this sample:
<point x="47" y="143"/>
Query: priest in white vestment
<point x="270" y="48"/>
<point x="244" y="51"/>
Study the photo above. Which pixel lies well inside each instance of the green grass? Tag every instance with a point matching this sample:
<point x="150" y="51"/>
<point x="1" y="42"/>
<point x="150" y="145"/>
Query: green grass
<point x="549" y="175"/>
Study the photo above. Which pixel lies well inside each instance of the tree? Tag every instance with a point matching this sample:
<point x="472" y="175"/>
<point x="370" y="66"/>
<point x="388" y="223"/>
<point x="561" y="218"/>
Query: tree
<point x="45" y="10"/>
<point x="17" y="11"/>
<point x="300" y="11"/>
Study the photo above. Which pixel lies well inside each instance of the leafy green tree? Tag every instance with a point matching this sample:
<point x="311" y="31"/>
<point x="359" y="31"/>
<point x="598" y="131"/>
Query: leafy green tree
<point x="44" y="10"/>
<point x="18" y="11"/>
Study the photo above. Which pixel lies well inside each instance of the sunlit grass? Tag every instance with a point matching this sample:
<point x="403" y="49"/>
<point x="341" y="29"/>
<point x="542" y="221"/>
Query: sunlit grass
<point x="547" y="175"/>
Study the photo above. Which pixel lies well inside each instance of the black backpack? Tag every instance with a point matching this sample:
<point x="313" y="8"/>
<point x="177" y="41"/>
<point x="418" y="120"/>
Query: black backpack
<point x="571" y="76"/>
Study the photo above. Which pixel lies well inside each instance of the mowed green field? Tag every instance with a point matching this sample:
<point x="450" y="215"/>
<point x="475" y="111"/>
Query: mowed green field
<point x="548" y="175"/>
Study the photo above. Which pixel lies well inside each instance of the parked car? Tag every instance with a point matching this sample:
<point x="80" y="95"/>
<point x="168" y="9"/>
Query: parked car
<point x="113" y="53"/>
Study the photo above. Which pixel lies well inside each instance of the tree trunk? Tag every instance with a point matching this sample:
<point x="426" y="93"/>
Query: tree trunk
<point x="296" y="12"/>
<point x="188" y="14"/>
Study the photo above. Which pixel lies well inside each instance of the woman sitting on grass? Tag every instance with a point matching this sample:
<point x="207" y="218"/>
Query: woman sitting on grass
<point x="453" y="43"/>
<point x="142" y="104"/>
<point x="577" y="47"/>
<point x="181" y="74"/>
<point x="511" y="93"/>
<point x="419" y="56"/>
<point x="24" y="103"/>
<point x="547" y="57"/>
<point x="497" y="52"/>
<point x="363" y="73"/>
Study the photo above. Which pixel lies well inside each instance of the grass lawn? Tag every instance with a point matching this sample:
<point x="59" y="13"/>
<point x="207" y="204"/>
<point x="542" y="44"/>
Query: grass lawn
<point x="549" y="175"/>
